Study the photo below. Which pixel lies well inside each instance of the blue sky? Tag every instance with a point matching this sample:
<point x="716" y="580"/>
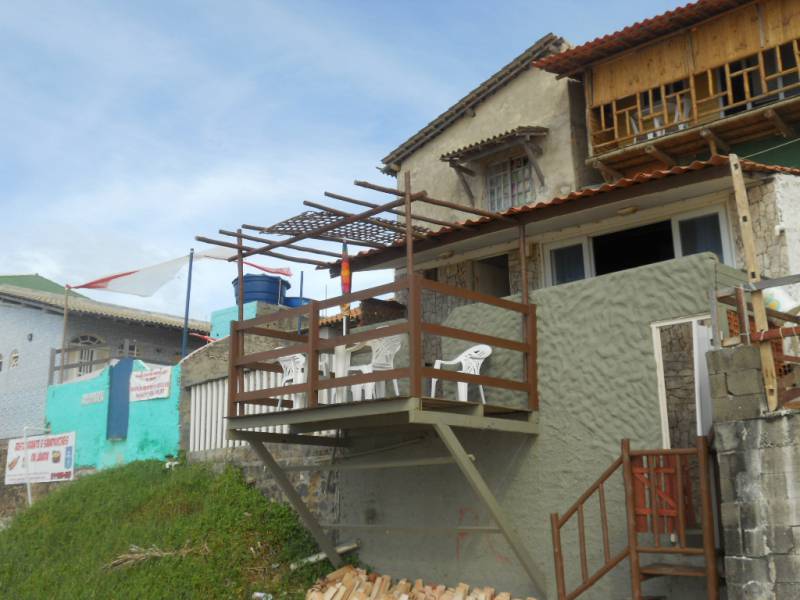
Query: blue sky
<point x="128" y="128"/>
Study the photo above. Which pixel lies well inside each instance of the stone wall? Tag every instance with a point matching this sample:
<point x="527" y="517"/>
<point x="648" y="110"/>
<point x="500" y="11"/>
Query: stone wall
<point x="759" y="470"/>
<point x="318" y="489"/>
<point x="678" y="360"/>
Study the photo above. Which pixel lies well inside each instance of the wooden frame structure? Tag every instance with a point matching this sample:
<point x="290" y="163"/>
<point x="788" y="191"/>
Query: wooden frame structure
<point x="658" y="501"/>
<point x="410" y="412"/>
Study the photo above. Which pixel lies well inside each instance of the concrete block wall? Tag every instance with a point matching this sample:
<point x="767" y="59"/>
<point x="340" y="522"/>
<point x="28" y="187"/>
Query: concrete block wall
<point x="758" y="456"/>
<point x="737" y="391"/>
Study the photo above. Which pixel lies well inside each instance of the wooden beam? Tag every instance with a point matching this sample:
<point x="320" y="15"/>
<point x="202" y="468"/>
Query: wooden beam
<point x="456" y="166"/>
<point x="462" y="177"/>
<point x="754" y="275"/>
<point x="609" y="174"/>
<point x="342" y="213"/>
<point x="394" y="211"/>
<point x="254" y="238"/>
<point x="530" y="150"/>
<point x="297" y="259"/>
<point x="777" y="121"/>
<point x="715" y="143"/>
<point x="660" y="155"/>
<point x="462" y="208"/>
<point x="325" y="228"/>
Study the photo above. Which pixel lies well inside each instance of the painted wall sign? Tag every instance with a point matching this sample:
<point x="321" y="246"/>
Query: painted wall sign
<point x="93" y="397"/>
<point x="149" y="385"/>
<point x="47" y="458"/>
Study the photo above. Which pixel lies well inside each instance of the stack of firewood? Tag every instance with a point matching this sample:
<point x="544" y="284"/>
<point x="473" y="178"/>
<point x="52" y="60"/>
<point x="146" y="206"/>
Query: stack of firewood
<point x="351" y="583"/>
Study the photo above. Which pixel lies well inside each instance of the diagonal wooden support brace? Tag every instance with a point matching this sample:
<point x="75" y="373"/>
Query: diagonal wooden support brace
<point x="475" y="480"/>
<point x="311" y="523"/>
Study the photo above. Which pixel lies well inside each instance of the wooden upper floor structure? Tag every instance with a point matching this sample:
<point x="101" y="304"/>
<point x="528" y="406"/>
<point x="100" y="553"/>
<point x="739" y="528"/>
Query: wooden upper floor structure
<point x="703" y="77"/>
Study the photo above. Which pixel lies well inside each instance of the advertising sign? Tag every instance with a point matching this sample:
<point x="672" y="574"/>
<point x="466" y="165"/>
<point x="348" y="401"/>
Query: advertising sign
<point x="152" y="384"/>
<point x="46" y="458"/>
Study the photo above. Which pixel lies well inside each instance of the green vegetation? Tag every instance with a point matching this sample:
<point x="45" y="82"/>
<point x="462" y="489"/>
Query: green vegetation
<point x="223" y="538"/>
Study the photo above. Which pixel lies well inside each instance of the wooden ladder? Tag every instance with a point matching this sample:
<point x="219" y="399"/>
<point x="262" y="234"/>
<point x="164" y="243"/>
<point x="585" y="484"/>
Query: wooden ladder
<point x="659" y="500"/>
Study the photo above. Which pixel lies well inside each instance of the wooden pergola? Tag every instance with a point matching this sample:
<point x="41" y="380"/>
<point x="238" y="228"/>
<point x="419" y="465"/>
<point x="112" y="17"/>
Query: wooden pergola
<point x="376" y="228"/>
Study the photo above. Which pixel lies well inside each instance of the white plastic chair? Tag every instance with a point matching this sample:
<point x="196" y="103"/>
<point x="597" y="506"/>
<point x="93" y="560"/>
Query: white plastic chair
<point x="471" y="360"/>
<point x="383" y="353"/>
<point x="294" y="368"/>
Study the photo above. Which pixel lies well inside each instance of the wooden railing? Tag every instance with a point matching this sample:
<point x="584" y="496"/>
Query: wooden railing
<point x="658" y="501"/>
<point x="59" y="367"/>
<point x="312" y="346"/>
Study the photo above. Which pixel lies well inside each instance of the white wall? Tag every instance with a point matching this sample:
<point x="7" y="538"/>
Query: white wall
<point x="23" y="389"/>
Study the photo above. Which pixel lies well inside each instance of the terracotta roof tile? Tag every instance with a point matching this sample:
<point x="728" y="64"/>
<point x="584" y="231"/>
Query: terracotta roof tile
<point x="574" y="59"/>
<point x="625" y="182"/>
<point x="81" y="304"/>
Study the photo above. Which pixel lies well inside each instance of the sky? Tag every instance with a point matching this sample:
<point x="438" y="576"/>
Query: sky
<point x="130" y="127"/>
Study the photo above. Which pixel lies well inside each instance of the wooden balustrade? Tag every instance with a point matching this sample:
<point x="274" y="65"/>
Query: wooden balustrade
<point x="658" y="501"/>
<point x="312" y="346"/>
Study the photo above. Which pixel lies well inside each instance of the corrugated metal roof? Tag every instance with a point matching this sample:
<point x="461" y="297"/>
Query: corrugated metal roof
<point x="34" y="281"/>
<point x="500" y="138"/>
<point x="87" y="306"/>
<point x="575" y="59"/>
<point x="625" y="182"/>
<point x="545" y="45"/>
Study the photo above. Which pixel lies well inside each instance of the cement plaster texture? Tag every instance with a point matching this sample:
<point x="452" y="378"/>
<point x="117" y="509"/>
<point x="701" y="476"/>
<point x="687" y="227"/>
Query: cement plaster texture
<point x="597" y="386"/>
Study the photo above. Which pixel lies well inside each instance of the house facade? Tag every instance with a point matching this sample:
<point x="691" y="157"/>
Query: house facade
<point x="32" y="326"/>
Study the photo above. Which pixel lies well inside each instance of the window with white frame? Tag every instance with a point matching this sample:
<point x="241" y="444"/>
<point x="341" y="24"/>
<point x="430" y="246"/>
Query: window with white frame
<point x="509" y="183"/>
<point x="626" y="248"/>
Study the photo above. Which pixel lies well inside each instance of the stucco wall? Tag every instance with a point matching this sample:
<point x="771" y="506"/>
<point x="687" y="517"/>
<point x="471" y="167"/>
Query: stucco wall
<point x="533" y="98"/>
<point x="153" y="431"/>
<point x="23" y="389"/>
<point x="597" y="386"/>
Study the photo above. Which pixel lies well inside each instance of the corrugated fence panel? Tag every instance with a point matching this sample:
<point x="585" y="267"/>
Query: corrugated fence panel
<point x="208" y="403"/>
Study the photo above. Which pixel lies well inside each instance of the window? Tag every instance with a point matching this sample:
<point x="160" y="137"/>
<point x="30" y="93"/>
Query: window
<point x="509" y="183"/>
<point x="618" y="250"/>
<point x="568" y="263"/>
<point x="632" y="248"/>
<point x="86" y="352"/>
<point x="1" y="363"/>
<point x="128" y="348"/>
<point x="13" y="360"/>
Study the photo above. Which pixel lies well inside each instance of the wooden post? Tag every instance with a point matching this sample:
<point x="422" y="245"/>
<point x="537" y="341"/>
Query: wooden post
<point x="630" y="508"/>
<point x="51" y="371"/>
<point x="523" y="261"/>
<point x="532" y="362"/>
<point x="414" y="303"/>
<point x="240" y="268"/>
<point x="233" y="357"/>
<point x="754" y="275"/>
<point x="558" y="557"/>
<point x="64" y="335"/>
<point x="312" y="366"/>
<point x="709" y="551"/>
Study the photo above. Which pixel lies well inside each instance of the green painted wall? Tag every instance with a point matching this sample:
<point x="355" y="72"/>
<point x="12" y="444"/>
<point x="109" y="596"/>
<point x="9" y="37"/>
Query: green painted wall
<point x="787" y="155"/>
<point x="597" y="385"/>
<point x="152" y="429"/>
<point x="221" y="319"/>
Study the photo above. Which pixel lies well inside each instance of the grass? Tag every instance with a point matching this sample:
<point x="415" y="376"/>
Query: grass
<point x="234" y="542"/>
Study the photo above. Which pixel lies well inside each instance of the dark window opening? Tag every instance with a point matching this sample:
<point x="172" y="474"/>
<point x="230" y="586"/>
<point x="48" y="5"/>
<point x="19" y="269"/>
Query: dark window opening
<point x="491" y="276"/>
<point x="633" y="248"/>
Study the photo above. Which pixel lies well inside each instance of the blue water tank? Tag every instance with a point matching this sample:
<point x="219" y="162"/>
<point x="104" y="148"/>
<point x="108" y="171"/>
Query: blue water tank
<point x="295" y="301"/>
<point x="262" y="288"/>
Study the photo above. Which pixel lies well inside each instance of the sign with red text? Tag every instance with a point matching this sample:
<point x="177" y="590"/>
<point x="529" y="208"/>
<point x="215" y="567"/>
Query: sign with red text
<point x="41" y="458"/>
<point x="152" y="384"/>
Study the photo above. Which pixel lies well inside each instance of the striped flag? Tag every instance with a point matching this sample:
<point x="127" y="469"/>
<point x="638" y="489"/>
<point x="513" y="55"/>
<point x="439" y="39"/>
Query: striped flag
<point x="148" y="280"/>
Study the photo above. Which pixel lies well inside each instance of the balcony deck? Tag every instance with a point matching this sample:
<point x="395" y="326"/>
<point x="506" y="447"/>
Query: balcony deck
<point x="400" y="413"/>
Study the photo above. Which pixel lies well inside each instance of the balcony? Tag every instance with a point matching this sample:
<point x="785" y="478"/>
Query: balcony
<point x="742" y="100"/>
<point x="349" y="390"/>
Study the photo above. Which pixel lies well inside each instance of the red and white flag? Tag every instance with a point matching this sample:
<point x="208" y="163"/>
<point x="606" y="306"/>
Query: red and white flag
<point x="148" y="280"/>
